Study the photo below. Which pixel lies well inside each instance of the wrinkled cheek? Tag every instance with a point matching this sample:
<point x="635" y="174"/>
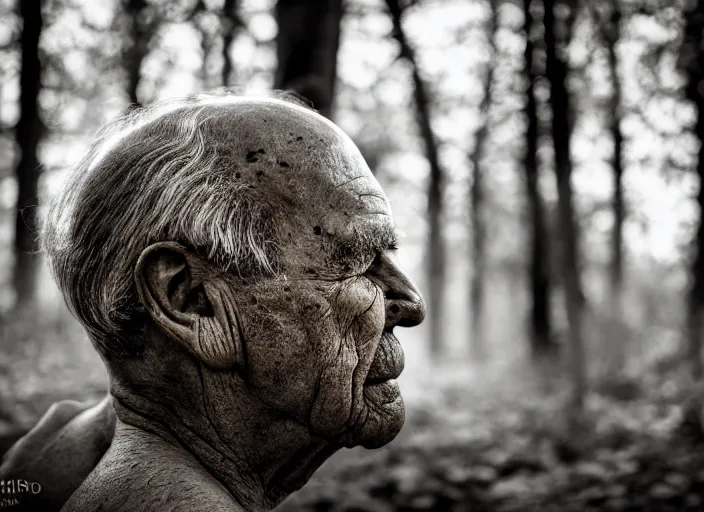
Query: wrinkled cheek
<point x="282" y="366"/>
<point x="358" y="324"/>
<point x="284" y="376"/>
<point x="338" y="359"/>
<point x="332" y="406"/>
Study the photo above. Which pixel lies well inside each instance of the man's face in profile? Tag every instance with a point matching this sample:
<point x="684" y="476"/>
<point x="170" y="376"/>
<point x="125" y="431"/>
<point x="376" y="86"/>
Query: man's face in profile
<point x="318" y="338"/>
<point x="243" y="296"/>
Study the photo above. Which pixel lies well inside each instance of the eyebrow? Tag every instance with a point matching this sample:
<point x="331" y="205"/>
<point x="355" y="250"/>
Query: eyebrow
<point x="367" y="244"/>
<point x="384" y="239"/>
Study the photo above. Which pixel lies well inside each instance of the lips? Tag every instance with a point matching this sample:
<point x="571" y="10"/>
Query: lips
<point x="388" y="361"/>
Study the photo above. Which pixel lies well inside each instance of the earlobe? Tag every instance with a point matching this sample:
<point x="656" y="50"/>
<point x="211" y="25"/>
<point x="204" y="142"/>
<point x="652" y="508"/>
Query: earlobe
<point x="165" y="275"/>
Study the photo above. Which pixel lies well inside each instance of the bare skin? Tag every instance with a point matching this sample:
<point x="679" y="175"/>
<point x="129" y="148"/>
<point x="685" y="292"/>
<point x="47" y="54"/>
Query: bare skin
<point x="246" y="387"/>
<point x="60" y="452"/>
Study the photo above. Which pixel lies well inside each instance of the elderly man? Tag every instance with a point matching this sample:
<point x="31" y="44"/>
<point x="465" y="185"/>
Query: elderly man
<point x="231" y="259"/>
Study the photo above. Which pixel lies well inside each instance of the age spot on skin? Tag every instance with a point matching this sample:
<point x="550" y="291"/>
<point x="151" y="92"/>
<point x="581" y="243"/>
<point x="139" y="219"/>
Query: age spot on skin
<point x="253" y="156"/>
<point x="254" y="300"/>
<point x="284" y="164"/>
<point x="317" y="230"/>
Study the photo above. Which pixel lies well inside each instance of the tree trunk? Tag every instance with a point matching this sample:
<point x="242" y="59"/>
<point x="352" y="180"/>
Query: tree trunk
<point x="692" y="60"/>
<point x="206" y="47"/>
<point x="478" y="256"/>
<point x="696" y="293"/>
<point x="556" y="70"/>
<point x="230" y="25"/>
<point x="27" y="135"/>
<point x="617" y="356"/>
<point x="137" y="48"/>
<point x="435" y="273"/>
<point x="618" y="197"/>
<point x="476" y="200"/>
<point x="539" y="271"/>
<point x="306" y="47"/>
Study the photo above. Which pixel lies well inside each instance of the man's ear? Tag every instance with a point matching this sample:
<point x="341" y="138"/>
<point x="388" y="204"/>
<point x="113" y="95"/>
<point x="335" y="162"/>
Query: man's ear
<point x="189" y="304"/>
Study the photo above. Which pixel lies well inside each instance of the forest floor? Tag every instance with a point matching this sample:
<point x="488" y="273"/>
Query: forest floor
<point x="495" y="440"/>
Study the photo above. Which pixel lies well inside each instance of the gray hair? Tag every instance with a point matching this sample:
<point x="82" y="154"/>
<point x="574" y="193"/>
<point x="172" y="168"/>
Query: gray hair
<point x="151" y="175"/>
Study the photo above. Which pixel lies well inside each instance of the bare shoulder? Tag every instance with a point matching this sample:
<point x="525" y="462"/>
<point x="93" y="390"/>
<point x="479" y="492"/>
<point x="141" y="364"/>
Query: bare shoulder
<point x="44" y="432"/>
<point x="60" y="451"/>
<point x="143" y="473"/>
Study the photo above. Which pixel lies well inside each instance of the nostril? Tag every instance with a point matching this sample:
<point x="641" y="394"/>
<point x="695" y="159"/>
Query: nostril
<point x="394" y="309"/>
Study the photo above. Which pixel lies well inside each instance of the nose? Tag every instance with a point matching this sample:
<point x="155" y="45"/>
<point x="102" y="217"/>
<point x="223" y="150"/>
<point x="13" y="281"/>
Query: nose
<point x="404" y="305"/>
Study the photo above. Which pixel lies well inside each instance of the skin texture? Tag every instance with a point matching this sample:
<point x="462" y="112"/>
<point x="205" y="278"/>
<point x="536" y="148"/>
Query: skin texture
<point x="245" y="386"/>
<point x="60" y="451"/>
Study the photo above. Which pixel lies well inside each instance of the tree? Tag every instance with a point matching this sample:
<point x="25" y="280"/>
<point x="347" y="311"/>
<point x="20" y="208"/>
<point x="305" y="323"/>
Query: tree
<point x="692" y="62"/>
<point x="607" y="20"/>
<point x="230" y="23"/>
<point x="612" y="33"/>
<point x="476" y="199"/>
<point x="557" y="73"/>
<point x="435" y="273"/>
<point x="539" y="271"/>
<point x="144" y="20"/>
<point x="141" y="30"/>
<point x="28" y="134"/>
<point x="306" y="47"/>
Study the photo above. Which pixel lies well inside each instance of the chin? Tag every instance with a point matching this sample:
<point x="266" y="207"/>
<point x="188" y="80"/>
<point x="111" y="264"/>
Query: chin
<point x="381" y="419"/>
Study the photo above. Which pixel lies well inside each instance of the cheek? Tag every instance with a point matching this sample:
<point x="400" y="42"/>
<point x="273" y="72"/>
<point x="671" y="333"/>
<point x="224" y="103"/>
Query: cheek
<point x="285" y="345"/>
<point x="308" y="349"/>
<point x="358" y="311"/>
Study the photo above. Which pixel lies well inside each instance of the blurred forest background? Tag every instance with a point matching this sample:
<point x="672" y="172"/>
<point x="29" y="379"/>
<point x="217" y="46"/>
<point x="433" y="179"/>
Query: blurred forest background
<point x="545" y="164"/>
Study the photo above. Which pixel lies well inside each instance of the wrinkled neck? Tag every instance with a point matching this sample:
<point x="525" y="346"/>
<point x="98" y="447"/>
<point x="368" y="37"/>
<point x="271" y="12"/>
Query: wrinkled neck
<point x="259" y="469"/>
<point x="221" y="462"/>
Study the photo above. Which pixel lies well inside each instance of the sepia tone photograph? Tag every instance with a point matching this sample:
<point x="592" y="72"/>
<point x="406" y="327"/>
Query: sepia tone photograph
<point x="351" y="255"/>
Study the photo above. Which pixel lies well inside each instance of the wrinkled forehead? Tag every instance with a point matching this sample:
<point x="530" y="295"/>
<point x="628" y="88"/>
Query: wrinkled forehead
<point x="299" y="158"/>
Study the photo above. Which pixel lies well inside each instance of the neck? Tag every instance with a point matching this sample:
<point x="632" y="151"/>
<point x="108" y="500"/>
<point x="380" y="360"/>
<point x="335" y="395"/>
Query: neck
<point x="258" y="457"/>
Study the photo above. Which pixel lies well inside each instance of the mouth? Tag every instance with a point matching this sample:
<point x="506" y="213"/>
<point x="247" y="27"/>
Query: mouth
<point x="388" y="361"/>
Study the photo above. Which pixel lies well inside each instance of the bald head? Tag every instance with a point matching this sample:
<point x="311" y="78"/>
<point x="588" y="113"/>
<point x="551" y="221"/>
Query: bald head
<point x="312" y="175"/>
<point x="230" y="177"/>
